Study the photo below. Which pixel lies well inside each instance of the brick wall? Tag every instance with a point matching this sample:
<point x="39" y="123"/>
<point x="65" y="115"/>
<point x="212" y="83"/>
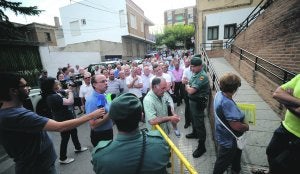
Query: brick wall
<point x="215" y="53"/>
<point x="263" y="85"/>
<point x="275" y="35"/>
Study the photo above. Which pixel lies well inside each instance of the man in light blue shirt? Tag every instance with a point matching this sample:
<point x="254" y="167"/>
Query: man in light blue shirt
<point x="101" y="129"/>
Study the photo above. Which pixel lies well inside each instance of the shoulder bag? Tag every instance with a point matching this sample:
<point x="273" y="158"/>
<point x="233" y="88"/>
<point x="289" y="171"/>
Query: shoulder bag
<point x="240" y="141"/>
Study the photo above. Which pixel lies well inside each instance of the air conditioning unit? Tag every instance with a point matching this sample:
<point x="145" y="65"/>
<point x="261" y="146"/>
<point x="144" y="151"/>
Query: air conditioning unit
<point x="83" y="21"/>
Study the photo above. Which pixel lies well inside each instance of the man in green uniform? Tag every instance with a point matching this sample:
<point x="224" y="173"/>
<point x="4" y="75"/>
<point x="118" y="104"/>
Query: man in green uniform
<point x="204" y="66"/>
<point x="198" y="90"/>
<point x="133" y="151"/>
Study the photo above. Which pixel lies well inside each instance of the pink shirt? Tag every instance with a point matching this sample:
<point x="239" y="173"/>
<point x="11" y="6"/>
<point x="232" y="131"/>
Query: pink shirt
<point x="177" y="74"/>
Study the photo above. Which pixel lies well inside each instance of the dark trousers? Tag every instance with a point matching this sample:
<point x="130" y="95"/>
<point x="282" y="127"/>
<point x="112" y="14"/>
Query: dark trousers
<point x="178" y="92"/>
<point x="283" y="152"/>
<point x="187" y="109"/>
<point x="227" y="157"/>
<point x="97" y="136"/>
<point x="197" y="117"/>
<point x="65" y="136"/>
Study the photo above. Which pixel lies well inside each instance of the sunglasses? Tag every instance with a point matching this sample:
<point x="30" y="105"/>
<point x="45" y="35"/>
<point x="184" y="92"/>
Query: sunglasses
<point x="87" y="77"/>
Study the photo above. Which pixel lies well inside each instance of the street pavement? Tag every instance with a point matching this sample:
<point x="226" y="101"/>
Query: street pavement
<point x="253" y="155"/>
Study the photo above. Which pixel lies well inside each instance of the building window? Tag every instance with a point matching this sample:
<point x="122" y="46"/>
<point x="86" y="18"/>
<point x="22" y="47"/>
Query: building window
<point x="75" y="28"/>
<point x="213" y="33"/>
<point x="48" y="37"/>
<point x="179" y="18"/>
<point x="142" y="27"/>
<point x="133" y="21"/>
<point x="122" y="18"/>
<point x="229" y="30"/>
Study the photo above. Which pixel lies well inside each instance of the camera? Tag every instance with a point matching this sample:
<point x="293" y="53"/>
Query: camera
<point x="74" y="81"/>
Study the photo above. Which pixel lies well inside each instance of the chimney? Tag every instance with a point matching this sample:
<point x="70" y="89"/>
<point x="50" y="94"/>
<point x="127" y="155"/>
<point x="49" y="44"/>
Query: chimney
<point x="56" y="21"/>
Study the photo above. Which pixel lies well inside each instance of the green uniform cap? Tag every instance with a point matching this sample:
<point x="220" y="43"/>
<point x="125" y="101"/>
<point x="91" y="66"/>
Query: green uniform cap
<point x="196" y="61"/>
<point x="124" y="106"/>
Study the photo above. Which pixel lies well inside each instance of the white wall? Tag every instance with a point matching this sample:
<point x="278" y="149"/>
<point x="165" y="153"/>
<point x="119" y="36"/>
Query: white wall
<point x="223" y="18"/>
<point x="52" y="59"/>
<point x="102" y="21"/>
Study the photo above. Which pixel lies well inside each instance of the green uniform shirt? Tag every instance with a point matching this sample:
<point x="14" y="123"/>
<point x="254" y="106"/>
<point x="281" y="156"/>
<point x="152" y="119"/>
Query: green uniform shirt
<point x="122" y="155"/>
<point x="153" y="107"/>
<point x="292" y="122"/>
<point x="201" y="83"/>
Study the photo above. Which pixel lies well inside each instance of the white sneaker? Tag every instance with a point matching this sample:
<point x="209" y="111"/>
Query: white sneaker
<point x="66" y="161"/>
<point x="81" y="149"/>
<point x="177" y="133"/>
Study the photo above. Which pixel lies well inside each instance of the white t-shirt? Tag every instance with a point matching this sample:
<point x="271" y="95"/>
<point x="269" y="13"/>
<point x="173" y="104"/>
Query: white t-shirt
<point x="165" y="76"/>
<point x="135" y="91"/>
<point x="187" y="73"/>
<point x="146" y="83"/>
<point x="85" y="90"/>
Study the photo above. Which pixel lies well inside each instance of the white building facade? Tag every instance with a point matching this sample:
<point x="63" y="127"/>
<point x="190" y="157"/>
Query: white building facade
<point x="218" y="20"/>
<point x="104" y="20"/>
<point x="115" y="28"/>
<point x="219" y="27"/>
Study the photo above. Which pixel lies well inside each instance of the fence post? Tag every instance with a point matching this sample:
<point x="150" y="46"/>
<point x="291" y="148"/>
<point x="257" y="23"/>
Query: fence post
<point x="255" y="65"/>
<point x="284" y="77"/>
<point x="247" y="22"/>
<point x="214" y="79"/>
<point x="241" y="54"/>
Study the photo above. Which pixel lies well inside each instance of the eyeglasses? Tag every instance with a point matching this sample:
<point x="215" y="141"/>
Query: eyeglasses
<point x="87" y="77"/>
<point x="102" y="81"/>
<point x="24" y="86"/>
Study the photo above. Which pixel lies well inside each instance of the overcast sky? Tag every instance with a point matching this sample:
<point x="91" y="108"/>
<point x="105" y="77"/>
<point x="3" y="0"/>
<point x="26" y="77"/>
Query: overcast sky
<point x="153" y="9"/>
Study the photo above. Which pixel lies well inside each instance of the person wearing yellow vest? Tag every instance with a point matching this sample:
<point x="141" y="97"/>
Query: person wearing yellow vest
<point x="283" y="150"/>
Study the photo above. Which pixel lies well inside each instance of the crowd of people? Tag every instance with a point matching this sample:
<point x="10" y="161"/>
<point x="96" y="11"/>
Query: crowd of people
<point x="124" y="95"/>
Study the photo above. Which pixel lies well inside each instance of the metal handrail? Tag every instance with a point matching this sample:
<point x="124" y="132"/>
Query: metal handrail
<point x="214" y="45"/>
<point x="211" y="70"/>
<point x="183" y="160"/>
<point x="252" y="16"/>
<point x="287" y="75"/>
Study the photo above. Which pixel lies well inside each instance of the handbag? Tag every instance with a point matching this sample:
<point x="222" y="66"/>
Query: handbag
<point x="240" y="141"/>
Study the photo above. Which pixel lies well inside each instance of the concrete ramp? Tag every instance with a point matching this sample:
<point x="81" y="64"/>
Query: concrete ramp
<point x="267" y="120"/>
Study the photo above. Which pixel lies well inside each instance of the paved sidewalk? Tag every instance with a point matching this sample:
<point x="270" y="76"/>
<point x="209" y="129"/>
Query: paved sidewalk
<point x="267" y="120"/>
<point x="253" y="155"/>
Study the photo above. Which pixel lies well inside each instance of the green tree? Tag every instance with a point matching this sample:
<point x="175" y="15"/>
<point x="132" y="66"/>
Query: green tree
<point x="17" y="8"/>
<point x="176" y="34"/>
<point x="7" y="30"/>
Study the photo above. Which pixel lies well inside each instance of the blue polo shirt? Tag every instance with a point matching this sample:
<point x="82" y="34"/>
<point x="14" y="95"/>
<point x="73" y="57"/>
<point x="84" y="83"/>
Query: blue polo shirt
<point x="91" y="105"/>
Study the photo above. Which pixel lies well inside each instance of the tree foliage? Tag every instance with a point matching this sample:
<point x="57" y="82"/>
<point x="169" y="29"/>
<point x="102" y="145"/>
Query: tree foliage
<point x="7" y="30"/>
<point x="17" y="9"/>
<point x="175" y="34"/>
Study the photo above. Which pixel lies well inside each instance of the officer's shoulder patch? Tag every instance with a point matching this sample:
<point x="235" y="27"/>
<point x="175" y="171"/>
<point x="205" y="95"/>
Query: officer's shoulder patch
<point x="154" y="133"/>
<point x="201" y="78"/>
<point x="101" y="145"/>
